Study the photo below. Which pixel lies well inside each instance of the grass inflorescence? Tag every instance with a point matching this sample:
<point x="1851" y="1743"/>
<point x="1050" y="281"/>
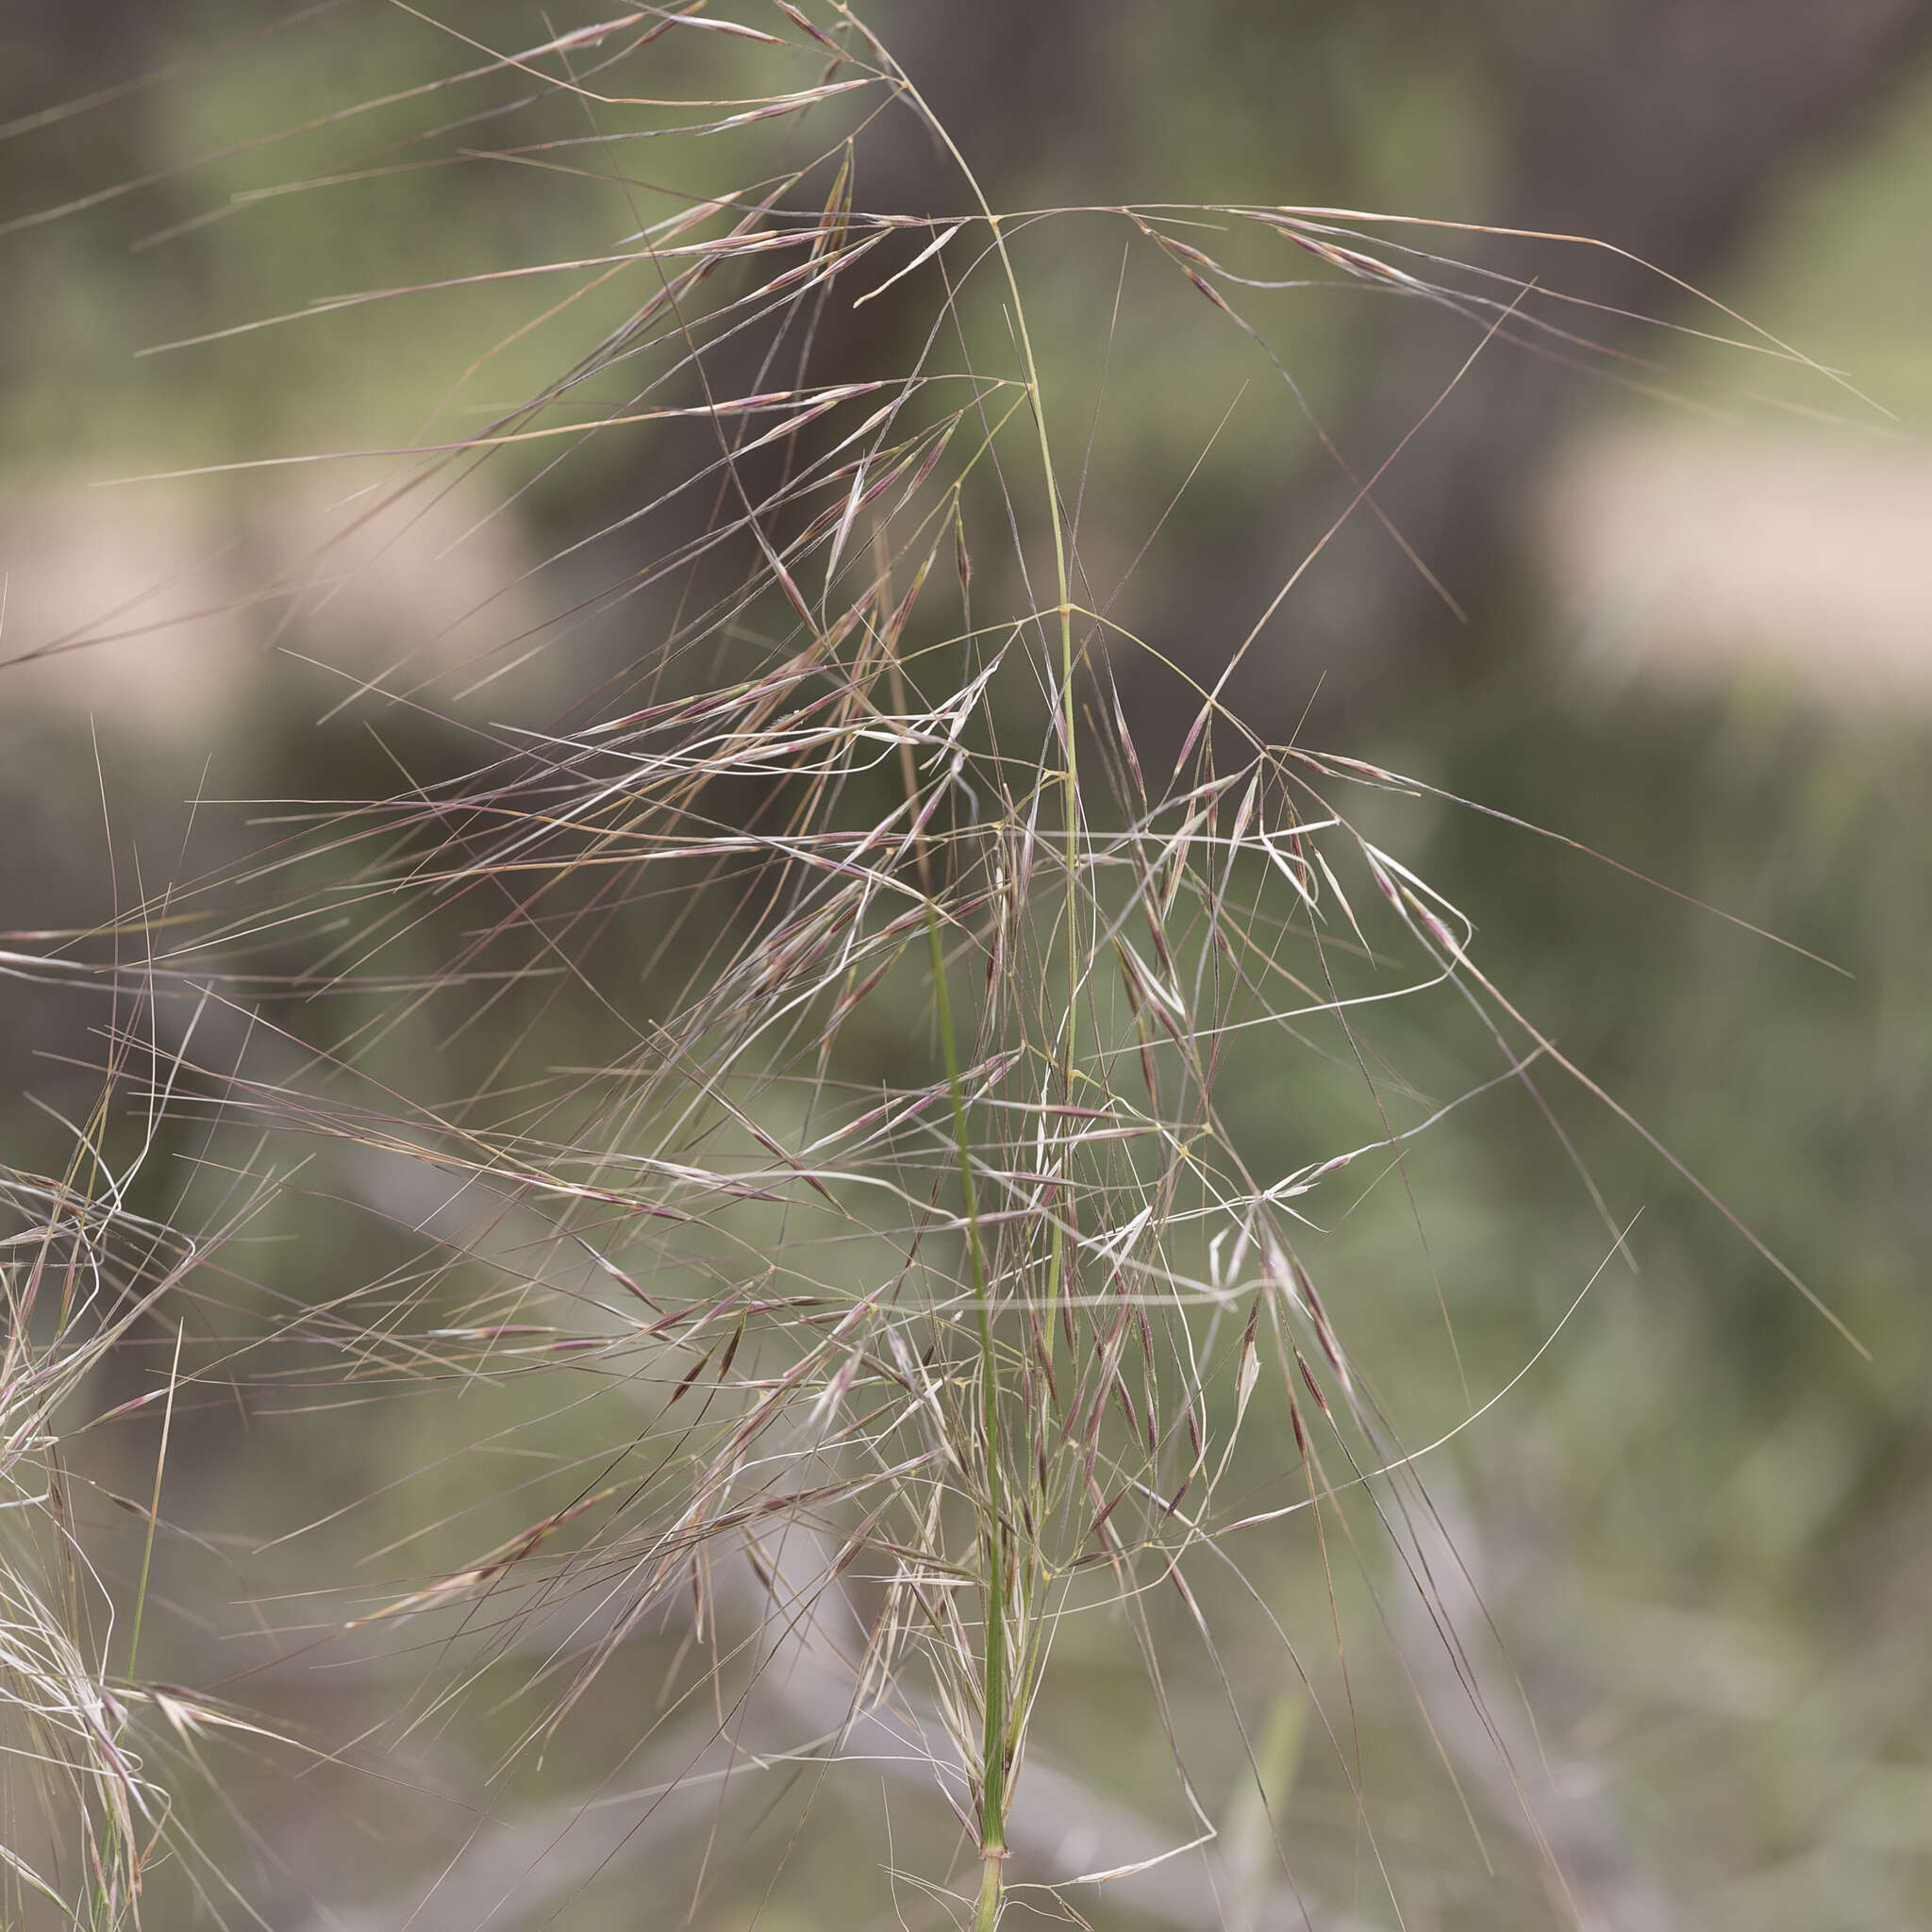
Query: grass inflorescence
<point x="752" y="1138"/>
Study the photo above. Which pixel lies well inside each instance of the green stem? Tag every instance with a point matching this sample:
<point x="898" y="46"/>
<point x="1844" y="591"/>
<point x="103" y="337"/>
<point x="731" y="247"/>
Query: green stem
<point x="988" y="1915"/>
<point x="992" y="1806"/>
<point x="1069" y="777"/>
<point x="993" y="1785"/>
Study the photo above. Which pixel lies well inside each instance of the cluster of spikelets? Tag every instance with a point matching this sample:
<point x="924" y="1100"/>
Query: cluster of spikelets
<point x="63" y="1725"/>
<point x="921" y="1359"/>
<point x="81" y="1732"/>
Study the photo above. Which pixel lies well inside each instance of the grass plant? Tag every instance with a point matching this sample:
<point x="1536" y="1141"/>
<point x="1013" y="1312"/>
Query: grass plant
<point x="760" y="1123"/>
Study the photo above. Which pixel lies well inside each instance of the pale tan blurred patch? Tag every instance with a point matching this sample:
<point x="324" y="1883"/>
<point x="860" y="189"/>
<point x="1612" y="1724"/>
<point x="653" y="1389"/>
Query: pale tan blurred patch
<point x="1695" y="554"/>
<point x="171" y="610"/>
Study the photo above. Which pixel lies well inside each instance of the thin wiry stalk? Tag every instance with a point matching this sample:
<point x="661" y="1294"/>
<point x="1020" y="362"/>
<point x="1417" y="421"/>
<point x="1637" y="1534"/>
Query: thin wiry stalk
<point x="992" y="1810"/>
<point x="998" y="1718"/>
